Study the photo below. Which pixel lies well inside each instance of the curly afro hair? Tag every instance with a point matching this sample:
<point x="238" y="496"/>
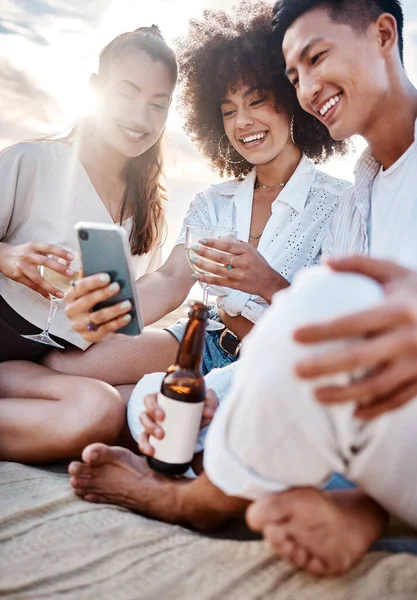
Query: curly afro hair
<point x="223" y="50"/>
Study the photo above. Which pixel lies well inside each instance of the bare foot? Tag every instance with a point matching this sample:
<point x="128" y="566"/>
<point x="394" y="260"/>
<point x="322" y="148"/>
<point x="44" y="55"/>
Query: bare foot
<point x="115" y="475"/>
<point x="322" y="533"/>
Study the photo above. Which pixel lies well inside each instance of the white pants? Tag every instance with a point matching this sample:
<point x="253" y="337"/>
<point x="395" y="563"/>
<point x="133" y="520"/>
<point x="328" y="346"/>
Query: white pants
<point x="271" y="433"/>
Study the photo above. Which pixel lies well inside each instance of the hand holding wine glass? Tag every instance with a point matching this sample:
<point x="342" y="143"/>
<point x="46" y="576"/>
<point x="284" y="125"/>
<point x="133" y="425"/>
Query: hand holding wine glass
<point x="194" y="235"/>
<point x="246" y="271"/>
<point x="21" y="263"/>
<point x="59" y="273"/>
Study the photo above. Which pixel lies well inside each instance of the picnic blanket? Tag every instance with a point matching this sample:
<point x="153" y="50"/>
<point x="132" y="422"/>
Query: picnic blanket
<point x="53" y="545"/>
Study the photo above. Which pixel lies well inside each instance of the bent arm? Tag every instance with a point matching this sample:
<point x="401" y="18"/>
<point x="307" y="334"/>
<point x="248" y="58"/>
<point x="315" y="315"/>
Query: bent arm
<point x="166" y="289"/>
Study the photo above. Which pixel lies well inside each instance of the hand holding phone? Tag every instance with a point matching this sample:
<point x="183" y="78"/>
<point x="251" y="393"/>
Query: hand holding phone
<point x="105" y="249"/>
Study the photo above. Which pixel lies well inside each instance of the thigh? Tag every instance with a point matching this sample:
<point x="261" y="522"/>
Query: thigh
<point x="23" y="379"/>
<point x="120" y="359"/>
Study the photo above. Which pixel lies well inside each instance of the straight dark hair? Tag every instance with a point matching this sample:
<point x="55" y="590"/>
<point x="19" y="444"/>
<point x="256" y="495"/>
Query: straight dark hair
<point x="359" y="14"/>
<point x="144" y="194"/>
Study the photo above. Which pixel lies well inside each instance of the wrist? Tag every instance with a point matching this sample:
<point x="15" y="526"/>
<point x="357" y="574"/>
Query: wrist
<point x="273" y="284"/>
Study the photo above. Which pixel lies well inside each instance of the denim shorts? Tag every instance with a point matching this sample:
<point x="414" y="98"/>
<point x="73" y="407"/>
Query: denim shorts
<point x="214" y="357"/>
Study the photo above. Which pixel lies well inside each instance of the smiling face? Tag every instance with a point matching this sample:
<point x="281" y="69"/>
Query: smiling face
<point x="340" y="74"/>
<point x="253" y="125"/>
<point x="133" y="100"/>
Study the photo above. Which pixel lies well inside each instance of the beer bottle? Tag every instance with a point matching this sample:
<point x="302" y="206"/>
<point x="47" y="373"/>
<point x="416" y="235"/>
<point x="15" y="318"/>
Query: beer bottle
<point x="182" y="399"/>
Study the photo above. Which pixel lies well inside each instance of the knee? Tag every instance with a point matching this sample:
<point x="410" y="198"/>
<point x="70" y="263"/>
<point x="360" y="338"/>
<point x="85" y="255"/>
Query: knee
<point x="321" y="294"/>
<point x="100" y="414"/>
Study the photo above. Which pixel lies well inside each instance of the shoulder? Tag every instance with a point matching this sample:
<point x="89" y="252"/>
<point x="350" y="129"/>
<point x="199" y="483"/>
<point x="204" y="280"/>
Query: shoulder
<point x="29" y="154"/>
<point x="331" y="184"/>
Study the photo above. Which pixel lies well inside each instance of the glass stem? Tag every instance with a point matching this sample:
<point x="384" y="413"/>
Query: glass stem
<point x="53" y="305"/>
<point x="205" y="295"/>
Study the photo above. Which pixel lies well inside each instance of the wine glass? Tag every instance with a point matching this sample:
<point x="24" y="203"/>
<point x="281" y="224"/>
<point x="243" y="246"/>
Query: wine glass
<point x="192" y="238"/>
<point x="63" y="283"/>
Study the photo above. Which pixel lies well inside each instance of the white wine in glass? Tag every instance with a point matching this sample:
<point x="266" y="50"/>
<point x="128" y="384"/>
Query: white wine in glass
<point x="62" y="283"/>
<point x="193" y="236"/>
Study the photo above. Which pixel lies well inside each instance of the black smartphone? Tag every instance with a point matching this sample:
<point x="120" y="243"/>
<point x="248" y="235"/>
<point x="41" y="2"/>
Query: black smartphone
<point x="105" y="249"/>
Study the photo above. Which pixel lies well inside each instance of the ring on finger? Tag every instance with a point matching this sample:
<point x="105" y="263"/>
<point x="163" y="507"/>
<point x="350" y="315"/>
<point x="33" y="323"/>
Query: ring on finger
<point x="230" y="265"/>
<point x="91" y="326"/>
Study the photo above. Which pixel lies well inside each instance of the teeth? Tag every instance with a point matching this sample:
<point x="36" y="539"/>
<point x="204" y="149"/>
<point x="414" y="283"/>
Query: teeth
<point x="253" y="138"/>
<point x="133" y="134"/>
<point x="332" y="102"/>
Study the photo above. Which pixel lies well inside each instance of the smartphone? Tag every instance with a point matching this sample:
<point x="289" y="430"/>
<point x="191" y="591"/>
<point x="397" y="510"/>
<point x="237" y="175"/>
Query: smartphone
<point x="105" y="249"/>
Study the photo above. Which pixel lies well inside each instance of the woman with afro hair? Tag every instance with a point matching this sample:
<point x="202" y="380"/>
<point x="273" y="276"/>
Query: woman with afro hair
<point x="243" y="115"/>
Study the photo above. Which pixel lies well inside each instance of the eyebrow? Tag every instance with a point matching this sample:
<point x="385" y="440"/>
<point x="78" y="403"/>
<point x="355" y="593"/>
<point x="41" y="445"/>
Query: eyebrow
<point x="248" y="92"/>
<point x="303" y="54"/>
<point x="137" y="89"/>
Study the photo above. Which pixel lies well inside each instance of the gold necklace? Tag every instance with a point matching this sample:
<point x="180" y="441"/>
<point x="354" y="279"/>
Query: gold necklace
<point x="265" y="186"/>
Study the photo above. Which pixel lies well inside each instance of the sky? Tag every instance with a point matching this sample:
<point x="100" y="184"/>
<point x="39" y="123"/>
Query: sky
<point x="48" y="48"/>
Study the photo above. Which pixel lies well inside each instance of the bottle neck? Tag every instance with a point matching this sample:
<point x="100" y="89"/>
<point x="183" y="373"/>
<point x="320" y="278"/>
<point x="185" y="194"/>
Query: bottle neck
<point x="191" y="348"/>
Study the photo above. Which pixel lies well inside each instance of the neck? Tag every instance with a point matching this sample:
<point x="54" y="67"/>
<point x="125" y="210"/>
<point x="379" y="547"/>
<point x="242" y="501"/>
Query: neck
<point x="94" y="153"/>
<point x="281" y="168"/>
<point x="392" y="131"/>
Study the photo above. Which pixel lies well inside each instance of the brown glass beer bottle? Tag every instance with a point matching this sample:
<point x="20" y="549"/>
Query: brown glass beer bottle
<point x="182" y="399"/>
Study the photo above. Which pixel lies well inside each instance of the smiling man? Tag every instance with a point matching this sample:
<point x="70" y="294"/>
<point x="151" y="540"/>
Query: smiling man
<point x="276" y="430"/>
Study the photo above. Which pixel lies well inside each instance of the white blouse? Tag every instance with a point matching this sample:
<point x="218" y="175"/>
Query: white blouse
<point x="292" y="237"/>
<point x="44" y="191"/>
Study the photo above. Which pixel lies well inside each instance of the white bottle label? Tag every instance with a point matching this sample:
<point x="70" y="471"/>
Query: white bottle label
<point x="181" y="426"/>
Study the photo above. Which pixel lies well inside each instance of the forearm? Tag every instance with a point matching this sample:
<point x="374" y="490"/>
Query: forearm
<point x="160" y="293"/>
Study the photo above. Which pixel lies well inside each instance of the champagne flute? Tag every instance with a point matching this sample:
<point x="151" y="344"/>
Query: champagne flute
<point x="193" y="235"/>
<point x="62" y="283"/>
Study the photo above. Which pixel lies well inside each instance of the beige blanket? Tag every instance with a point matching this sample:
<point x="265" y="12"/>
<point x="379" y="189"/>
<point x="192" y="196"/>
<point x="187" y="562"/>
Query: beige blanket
<point x="53" y="545"/>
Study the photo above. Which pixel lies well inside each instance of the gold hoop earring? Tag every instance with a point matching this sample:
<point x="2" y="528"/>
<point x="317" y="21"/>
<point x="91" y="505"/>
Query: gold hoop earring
<point x="292" y="130"/>
<point x="226" y="158"/>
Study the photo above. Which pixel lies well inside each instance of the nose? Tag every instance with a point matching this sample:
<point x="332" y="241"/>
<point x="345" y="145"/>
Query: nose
<point x="139" y="113"/>
<point x="243" y="118"/>
<point x="309" y="88"/>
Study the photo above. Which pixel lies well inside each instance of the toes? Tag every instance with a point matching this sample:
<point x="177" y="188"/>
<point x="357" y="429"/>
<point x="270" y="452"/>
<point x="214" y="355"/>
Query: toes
<point x="283" y="545"/>
<point x="79" y="469"/>
<point x="81" y="483"/>
<point x="93" y="498"/>
<point x="268" y="509"/>
<point x="97" y="454"/>
<point x="315" y="566"/>
<point x="300" y="556"/>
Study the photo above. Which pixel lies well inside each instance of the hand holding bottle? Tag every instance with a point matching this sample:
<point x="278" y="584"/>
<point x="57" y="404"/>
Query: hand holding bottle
<point x="152" y="419"/>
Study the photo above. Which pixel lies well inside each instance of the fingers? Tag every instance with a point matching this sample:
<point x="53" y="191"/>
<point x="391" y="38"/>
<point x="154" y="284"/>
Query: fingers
<point x="149" y="420"/>
<point x="84" y="304"/>
<point x="104" y="315"/>
<point x="48" y="262"/>
<point x="362" y="323"/>
<point x="88" y="285"/>
<point x="364" y="354"/>
<point x="222" y="258"/>
<point x="382" y="271"/>
<point x="144" y="445"/>
<point x="153" y="408"/>
<point x="150" y="427"/>
<point x="211" y="402"/>
<point x="225" y="245"/>
<point x="374" y="387"/>
<point x="388" y="403"/>
<point x="43" y="248"/>
<point x="40" y="284"/>
<point x="102" y="331"/>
